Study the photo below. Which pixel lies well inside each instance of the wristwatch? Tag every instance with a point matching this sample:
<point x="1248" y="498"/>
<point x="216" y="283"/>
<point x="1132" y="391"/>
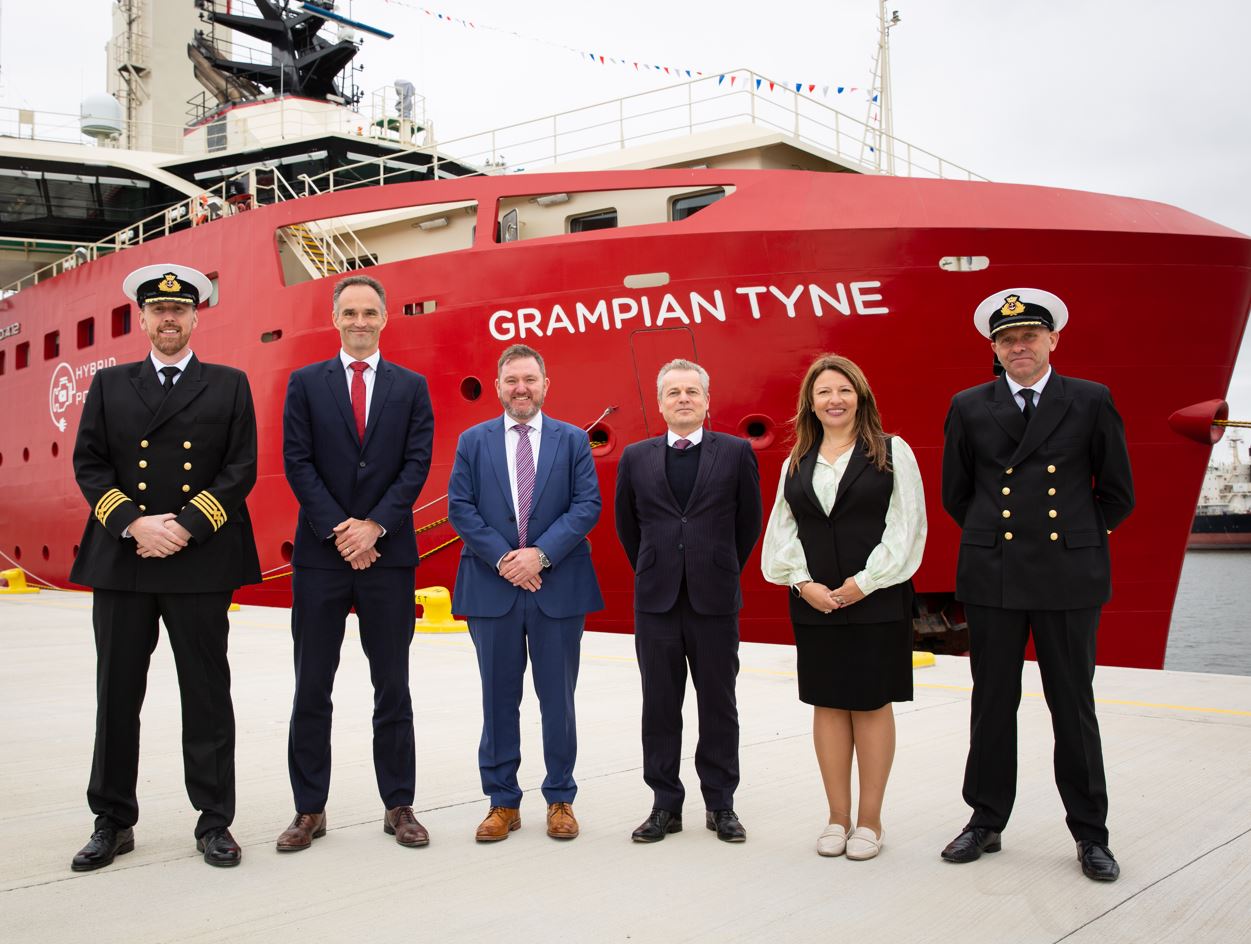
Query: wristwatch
<point x="798" y="589"/>
<point x="544" y="560"/>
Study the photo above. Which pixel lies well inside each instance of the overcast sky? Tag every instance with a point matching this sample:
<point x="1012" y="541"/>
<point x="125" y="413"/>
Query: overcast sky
<point x="1145" y="98"/>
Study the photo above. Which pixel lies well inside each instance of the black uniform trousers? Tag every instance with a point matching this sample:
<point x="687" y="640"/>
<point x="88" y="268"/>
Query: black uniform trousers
<point x="664" y="643"/>
<point x="385" y="608"/>
<point x="1064" y="643"/>
<point x="126" y="629"/>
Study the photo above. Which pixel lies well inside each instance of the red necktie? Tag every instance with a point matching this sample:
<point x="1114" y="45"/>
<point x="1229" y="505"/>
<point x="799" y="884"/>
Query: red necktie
<point x="358" y="396"/>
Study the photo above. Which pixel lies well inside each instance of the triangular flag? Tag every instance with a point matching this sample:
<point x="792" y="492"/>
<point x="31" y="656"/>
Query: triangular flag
<point x="733" y="79"/>
<point x="875" y="98"/>
<point x="811" y="88"/>
<point x="825" y="90"/>
<point x="601" y="60"/>
<point x="758" y="81"/>
<point x="770" y="86"/>
<point x="720" y="79"/>
<point x="688" y="73"/>
<point x="799" y="86"/>
<point x="840" y="89"/>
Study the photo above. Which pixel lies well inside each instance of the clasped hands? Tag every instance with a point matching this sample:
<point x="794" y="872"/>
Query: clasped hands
<point x="355" y="539"/>
<point x="158" y="535"/>
<point x="822" y="598"/>
<point x="521" y="568"/>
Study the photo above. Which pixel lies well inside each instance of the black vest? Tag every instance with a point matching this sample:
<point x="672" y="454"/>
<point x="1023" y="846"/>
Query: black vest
<point x="836" y="546"/>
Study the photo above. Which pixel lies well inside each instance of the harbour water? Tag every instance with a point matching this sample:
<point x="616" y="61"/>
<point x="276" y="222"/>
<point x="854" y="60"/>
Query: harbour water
<point x="1209" y="632"/>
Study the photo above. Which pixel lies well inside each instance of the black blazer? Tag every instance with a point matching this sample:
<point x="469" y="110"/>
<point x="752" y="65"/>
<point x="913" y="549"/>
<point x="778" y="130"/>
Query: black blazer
<point x="707" y="543"/>
<point x="1036" y="502"/>
<point x="335" y="476"/>
<point x="191" y="452"/>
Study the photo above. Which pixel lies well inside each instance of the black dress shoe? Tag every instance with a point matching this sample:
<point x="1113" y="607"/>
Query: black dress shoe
<point x="726" y="825"/>
<point x="219" y="847"/>
<point x="105" y="843"/>
<point x="657" y="825"/>
<point x="971" y="843"/>
<point x="1097" y="861"/>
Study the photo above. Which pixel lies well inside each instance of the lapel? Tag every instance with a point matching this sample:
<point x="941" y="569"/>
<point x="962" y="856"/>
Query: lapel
<point x="143" y="379"/>
<point x="858" y="462"/>
<point x="656" y="460"/>
<point x="384" y="380"/>
<point x="498" y="458"/>
<point x="807" y="465"/>
<point x="549" y="444"/>
<point x="190" y="385"/>
<point x="1003" y="409"/>
<point x="336" y="381"/>
<point x="707" y="457"/>
<point x="1052" y="406"/>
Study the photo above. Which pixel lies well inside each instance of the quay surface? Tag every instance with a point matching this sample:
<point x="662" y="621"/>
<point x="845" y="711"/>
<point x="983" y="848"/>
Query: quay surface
<point x="1177" y="749"/>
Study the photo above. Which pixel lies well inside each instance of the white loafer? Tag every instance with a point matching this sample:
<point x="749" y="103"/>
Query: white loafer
<point x="862" y="843"/>
<point x="832" y="841"/>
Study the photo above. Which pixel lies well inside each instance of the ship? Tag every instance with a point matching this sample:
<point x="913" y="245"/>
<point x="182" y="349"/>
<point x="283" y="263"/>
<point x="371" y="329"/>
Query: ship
<point x="746" y="235"/>
<point x="1223" y="515"/>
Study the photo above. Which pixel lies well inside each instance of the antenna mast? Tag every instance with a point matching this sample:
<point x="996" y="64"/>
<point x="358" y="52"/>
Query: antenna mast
<point x="880" y="140"/>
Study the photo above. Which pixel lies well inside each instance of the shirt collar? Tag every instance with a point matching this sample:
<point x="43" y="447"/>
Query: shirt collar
<point x="535" y="422"/>
<point x="694" y="438"/>
<point x="1037" y="386"/>
<point x="181" y="365"/>
<point x="347" y="359"/>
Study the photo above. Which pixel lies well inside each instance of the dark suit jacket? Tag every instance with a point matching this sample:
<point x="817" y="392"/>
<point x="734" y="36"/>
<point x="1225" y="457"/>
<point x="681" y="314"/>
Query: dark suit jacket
<point x="707" y="543"/>
<point x="335" y="476"/>
<point x="191" y="452"/>
<point x="1057" y="486"/>
<point x="564" y="508"/>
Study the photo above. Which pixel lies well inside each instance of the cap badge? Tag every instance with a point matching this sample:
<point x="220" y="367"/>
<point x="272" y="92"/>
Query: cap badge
<point x="1012" y="306"/>
<point x="169" y="283"/>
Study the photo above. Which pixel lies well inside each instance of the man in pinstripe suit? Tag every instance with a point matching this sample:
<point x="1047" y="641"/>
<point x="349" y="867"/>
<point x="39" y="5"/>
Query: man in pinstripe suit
<point x="688" y="513"/>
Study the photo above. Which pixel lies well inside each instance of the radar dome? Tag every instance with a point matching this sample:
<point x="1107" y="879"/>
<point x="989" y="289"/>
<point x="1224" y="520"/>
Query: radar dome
<point x="100" y="117"/>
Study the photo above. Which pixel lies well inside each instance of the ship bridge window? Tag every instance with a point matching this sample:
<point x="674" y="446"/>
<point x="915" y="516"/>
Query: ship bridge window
<point x="2" y="354"/>
<point x="86" y="333"/>
<point x="331" y="247"/>
<point x="121" y="320"/>
<point x="567" y="213"/>
<point x="21" y="356"/>
<point x="51" y="345"/>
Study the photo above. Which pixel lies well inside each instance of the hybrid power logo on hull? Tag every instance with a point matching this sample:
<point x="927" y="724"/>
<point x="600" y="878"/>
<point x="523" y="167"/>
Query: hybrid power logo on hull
<point x="68" y="388"/>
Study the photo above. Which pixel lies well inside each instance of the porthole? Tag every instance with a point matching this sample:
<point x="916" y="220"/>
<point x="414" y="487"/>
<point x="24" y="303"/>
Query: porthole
<point x="758" y="429"/>
<point x="471" y="388"/>
<point x="25" y="455"/>
<point x="285" y="551"/>
<point x="602" y="439"/>
<point x="17" y="552"/>
<point x="46" y="553"/>
<point x="56" y="450"/>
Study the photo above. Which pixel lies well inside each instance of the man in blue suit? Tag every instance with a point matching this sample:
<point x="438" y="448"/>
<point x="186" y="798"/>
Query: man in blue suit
<point x="522" y="497"/>
<point x="357" y="434"/>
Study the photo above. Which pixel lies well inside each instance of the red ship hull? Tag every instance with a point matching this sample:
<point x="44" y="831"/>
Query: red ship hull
<point x="757" y="284"/>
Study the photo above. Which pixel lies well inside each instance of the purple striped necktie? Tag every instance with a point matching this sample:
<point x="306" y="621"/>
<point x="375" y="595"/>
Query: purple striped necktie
<point x="525" y="482"/>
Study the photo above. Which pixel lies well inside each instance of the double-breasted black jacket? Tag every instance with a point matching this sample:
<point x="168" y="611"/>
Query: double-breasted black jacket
<point x="1036" y="502"/>
<point x="191" y="452"/>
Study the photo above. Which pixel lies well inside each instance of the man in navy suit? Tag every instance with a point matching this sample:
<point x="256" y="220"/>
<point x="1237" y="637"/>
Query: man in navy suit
<point x="1036" y="473"/>
<point x="522" y="497"/>
<point x="357" y="434"/>
<point x="688" y="514"/>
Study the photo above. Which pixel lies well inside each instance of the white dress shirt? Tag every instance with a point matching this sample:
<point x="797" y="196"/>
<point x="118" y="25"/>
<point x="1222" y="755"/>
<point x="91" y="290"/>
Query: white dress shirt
<point x="512" y="438"/>
<point x="1037" y="387"/>
<point x="372" y="360"/>
<point x="159" y="365"/>
<point x="694" y="438"/>
<point x="897" y="556"/>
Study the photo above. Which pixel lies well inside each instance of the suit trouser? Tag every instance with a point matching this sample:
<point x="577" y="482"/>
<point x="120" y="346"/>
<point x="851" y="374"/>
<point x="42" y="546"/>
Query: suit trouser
<point x="664" y="644"/>
<point x="554" y="646"/>
<point x="126" y="631"/>
<point x="385" y="607"/>
<point x="1064" y="642"/>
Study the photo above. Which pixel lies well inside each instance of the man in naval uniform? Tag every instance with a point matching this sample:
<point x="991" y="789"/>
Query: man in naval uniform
<point x="165" y="456"/>
<point x="1036" y="473"/>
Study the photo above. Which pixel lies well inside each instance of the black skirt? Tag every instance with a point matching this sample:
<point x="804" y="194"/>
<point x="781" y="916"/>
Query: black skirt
<point x="856" y="667"/>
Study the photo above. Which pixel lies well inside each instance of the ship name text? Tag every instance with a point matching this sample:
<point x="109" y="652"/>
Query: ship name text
<point x="626" y="312"/>
<point x="9" y="330"/>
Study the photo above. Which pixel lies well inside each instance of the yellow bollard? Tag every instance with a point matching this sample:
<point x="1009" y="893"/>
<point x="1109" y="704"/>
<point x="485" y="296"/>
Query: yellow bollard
<point x="436" y="614"/>
<point x="922" y="660"/>
<point x="14" y="581"/>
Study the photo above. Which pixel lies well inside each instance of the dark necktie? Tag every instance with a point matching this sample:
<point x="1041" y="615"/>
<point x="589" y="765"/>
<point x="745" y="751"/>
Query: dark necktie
<point x="681" y="444"/>
<point x="525" y="482"/>
<point x="169" y="374"/>
<point x="1028" y="396"/>
<point x="358" y="396"/>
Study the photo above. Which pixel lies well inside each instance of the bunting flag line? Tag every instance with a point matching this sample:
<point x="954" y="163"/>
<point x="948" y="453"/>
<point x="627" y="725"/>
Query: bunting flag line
<point x="636" y="63"/>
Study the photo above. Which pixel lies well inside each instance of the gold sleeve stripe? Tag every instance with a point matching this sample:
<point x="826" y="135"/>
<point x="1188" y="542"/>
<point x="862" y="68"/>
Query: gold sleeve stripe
<point x="211" y="509"/>
<point x="109" y="503"/>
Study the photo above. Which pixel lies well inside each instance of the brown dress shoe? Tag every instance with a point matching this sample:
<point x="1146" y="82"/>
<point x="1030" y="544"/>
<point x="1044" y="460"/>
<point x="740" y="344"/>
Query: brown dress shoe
<point x="499" y="822"/>
<point x="303" y="830"/>
<point x="401" y="823"/>
<point x="561" y="823"/>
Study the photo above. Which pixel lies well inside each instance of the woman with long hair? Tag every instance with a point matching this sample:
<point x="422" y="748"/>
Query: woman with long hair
<point x="846" y="534"/>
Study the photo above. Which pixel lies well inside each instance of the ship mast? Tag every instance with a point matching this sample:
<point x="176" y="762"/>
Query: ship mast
<point x="880" y="140"/>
